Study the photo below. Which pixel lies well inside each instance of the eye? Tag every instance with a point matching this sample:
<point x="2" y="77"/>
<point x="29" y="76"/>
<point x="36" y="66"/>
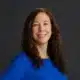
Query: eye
<point x="34" y="25"/>
<point x="45" y="23"/>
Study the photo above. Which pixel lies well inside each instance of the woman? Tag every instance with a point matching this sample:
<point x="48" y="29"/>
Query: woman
<point x="40" y="58"/>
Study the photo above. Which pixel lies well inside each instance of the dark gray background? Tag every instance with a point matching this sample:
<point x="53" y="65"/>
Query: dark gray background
<point x="12" y="16"/>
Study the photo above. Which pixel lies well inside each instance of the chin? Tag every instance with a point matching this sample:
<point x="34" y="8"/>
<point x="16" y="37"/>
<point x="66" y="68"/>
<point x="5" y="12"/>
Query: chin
<point x="43" y="42"/>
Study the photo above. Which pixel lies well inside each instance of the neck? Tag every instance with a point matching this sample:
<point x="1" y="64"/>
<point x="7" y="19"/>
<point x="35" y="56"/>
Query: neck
<point x="42" y="50"/>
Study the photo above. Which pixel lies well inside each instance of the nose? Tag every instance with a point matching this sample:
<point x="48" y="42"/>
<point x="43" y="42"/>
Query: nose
<point x="41" y="27"/>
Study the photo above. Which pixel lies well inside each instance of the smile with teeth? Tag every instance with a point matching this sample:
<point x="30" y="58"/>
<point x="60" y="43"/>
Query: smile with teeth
<point x="41" y="35"/>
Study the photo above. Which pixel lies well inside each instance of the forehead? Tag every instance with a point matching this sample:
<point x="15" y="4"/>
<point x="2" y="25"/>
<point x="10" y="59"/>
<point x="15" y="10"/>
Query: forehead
<point x="42" y="16"/>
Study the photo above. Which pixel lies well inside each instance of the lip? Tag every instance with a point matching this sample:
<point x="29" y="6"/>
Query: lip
<point x="41" y="35"/>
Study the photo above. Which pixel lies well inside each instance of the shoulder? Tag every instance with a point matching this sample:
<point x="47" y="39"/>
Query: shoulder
<point x="21" y="58"/>
<point x="18" y="67"/>
<point x="60" y="75"/>
<point x="21" y="61"/>
<point x="63" y="77"/>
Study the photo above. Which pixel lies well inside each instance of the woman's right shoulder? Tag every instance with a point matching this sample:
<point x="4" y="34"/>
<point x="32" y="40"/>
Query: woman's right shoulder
<point x="21" y="59"/>
<point x="17" y="68"/>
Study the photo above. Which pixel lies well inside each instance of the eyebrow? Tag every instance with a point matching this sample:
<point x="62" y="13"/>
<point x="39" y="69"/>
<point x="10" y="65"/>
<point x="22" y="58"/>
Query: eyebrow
<point x="37" y="21"/>
<point x="46" y="21"/>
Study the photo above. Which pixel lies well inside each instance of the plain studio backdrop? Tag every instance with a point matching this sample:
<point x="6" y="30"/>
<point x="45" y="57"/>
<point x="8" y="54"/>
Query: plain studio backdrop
<point x="12" y="16"/>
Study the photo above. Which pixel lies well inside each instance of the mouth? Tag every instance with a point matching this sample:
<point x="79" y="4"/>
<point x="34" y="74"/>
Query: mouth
<point x="41" y="35"/>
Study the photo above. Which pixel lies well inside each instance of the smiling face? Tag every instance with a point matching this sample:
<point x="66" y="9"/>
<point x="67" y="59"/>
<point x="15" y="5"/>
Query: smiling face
<point x="41" y="28"/>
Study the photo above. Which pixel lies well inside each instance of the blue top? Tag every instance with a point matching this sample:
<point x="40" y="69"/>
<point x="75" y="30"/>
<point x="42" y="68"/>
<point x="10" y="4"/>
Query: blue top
<point x="21" y="69"/>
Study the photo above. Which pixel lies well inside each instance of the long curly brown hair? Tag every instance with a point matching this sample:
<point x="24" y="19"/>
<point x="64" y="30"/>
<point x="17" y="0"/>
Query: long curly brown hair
<point x="54" y="43"/>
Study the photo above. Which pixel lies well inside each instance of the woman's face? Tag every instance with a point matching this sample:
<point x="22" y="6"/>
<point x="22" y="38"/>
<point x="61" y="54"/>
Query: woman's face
<point x="41" y="28"/>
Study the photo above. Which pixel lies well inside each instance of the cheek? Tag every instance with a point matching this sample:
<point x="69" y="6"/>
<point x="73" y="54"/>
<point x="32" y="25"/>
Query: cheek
<point x="49" y="30"/>
<point x="34" y="31"/>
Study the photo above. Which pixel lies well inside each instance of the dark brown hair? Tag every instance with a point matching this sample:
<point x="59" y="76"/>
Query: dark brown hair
<point x="54" y="43"/>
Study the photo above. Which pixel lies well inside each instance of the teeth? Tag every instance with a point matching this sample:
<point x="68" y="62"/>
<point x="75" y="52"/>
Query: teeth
<point x="41" y="35"/>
